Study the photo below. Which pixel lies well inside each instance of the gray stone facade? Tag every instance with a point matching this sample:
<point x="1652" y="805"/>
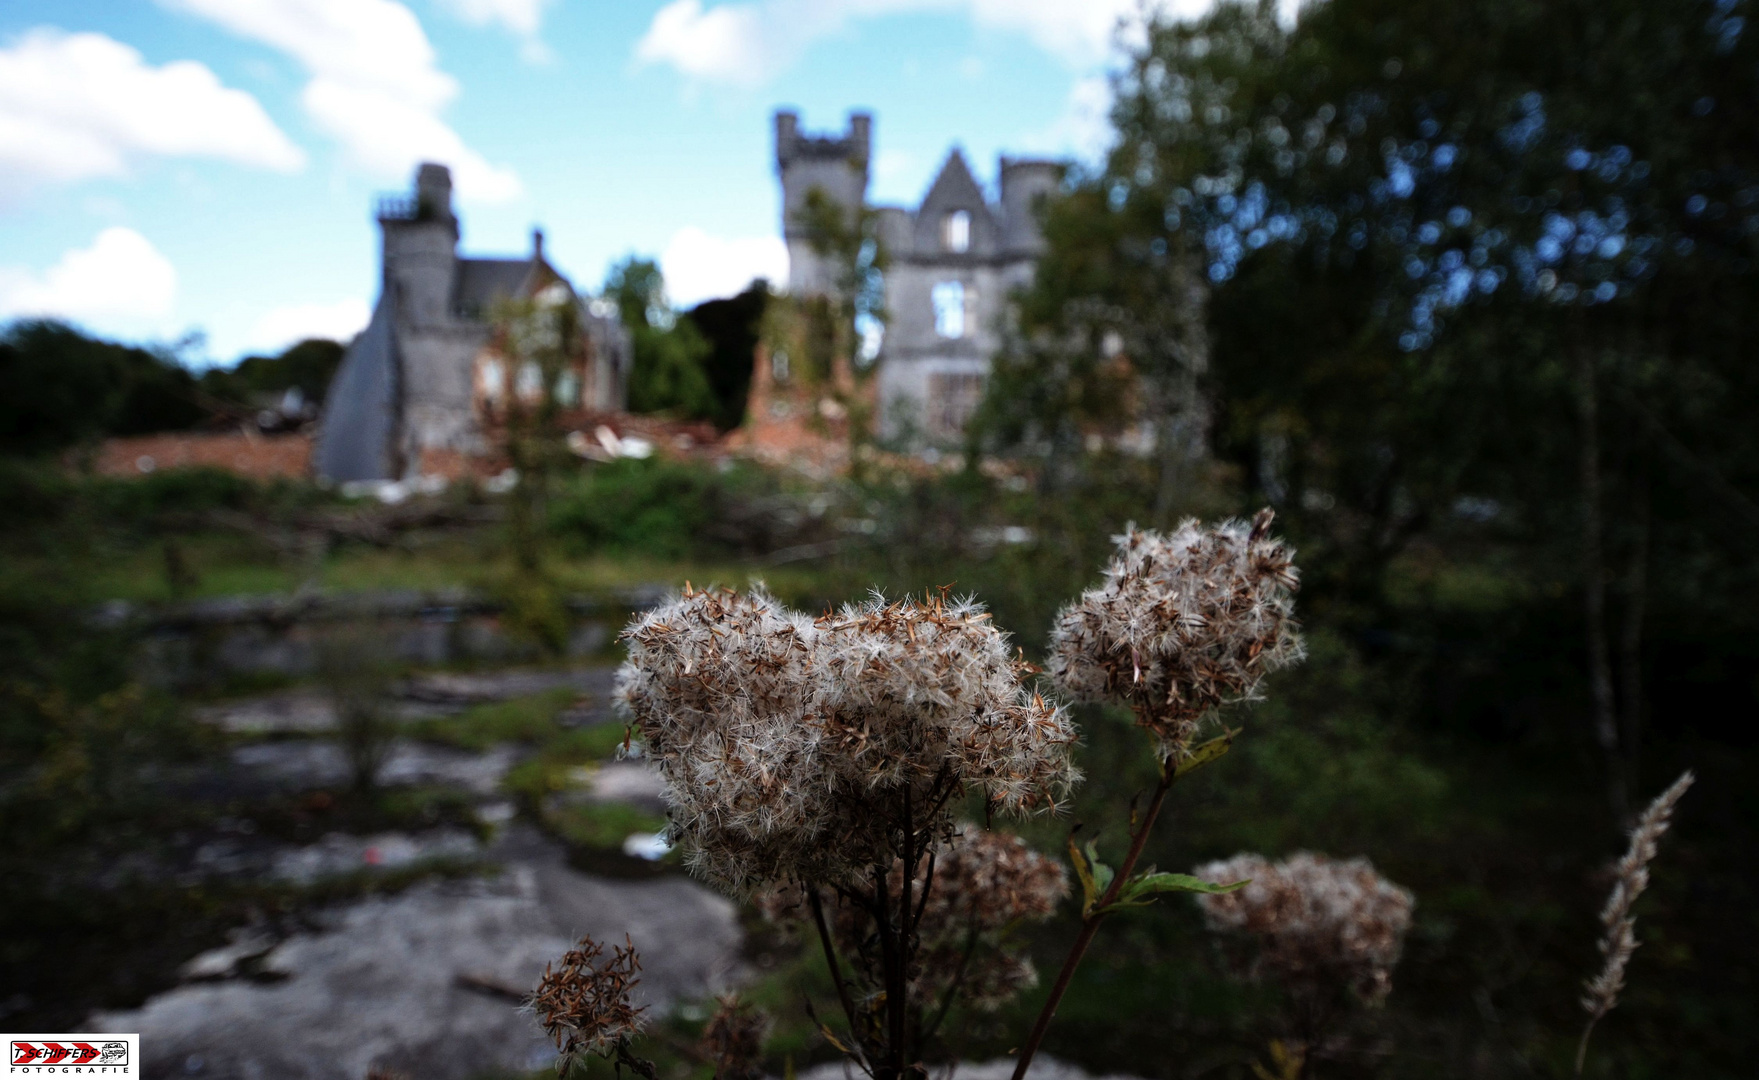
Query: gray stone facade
<point x="954" y="261"/>
<point x="416" y="380"/>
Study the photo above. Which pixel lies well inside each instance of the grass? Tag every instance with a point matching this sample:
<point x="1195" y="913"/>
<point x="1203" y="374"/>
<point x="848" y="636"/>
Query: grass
<point x="529" y="720"/>
<point x="1444" y="750"/>
<point x="552" y="769"/>
<point x="229" y="565"/>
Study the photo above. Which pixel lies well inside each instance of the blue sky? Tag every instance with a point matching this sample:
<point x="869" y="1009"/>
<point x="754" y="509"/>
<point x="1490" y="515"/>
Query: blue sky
<point x="169" y="166"/>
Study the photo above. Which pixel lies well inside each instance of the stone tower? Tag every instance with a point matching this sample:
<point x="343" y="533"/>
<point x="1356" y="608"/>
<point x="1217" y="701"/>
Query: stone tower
<point x="420" y="256"/>
<point x="836" y="165"/>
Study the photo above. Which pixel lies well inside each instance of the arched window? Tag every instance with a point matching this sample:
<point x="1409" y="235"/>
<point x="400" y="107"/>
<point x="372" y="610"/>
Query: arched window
<point x="956" y="232"/>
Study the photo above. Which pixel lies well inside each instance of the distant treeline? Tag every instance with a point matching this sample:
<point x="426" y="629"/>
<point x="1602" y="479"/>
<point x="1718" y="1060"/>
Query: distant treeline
<point x="60" y="387"/>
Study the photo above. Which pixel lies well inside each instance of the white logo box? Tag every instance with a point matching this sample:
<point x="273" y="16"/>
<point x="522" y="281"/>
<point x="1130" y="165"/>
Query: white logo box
<point x="73" y="1054"/>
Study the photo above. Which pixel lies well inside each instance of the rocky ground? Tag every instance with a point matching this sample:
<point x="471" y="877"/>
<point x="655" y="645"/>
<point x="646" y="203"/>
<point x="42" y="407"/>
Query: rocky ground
<point x="425" y="980"/>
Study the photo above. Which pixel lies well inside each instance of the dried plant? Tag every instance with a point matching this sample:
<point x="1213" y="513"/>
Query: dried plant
<point x="794" y="748"/>
<point x="976" y="892"/>
<point x="818" y="762"/>
<point x="585" y="1005"/>
<point x="829" y="752"/>
<point x="734" y="1038"/>
<point x="1630" y="878"/>
<point x="1318" y="922"/>
<point x="1182" y="625"/>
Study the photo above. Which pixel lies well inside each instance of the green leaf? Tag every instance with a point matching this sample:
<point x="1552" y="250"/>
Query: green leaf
<point x="1141" y="888"/>
<point x="1088" y="894"/>
<point x="1102" y="874"/>
<point x="1094" y="875"/>
<point x="1205" y="753"/>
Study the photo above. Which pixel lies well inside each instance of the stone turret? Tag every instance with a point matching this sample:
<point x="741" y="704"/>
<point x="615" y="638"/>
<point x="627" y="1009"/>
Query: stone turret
<point x="420" y="254"/>
<point x="1025" y="184"/>
<point x="836" y="165"/>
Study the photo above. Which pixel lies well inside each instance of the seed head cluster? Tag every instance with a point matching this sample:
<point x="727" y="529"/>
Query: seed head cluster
<point x="734" y="1039"/>
<point x="584" y="1004"/>
<point x="787" y="743"/>
<point x="985" y="885"/>
<point x="981" y="887"/>
<point x="1630" y="878"/>
<point x="1318" y="921"/>
<point x="1182" y="624"/>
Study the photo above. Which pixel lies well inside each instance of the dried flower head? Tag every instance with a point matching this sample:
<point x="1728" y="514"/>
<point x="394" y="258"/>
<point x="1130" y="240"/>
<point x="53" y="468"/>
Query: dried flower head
<point x="1630" y="878"/>
<point x="719" y="684"/>
<point x="1318" y="922"/>
<point x="976" y="891"/>
<point x="910" y="690"/>
<point x="734" y="1039"/>
<point x="584" y="1004"/>
<point x="789" y="746"/>
<point x="1182" y="624"/>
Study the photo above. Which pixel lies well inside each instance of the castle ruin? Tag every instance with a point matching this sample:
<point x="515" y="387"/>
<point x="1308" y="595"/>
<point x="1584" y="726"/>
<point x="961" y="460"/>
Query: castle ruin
<point x="954" y="261"/>
<point x="418" y="387"/>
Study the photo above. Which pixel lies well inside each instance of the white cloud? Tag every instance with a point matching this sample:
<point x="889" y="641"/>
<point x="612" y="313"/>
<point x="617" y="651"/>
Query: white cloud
<point x="521" y="17"/>
<point x="77" y="106"/>
<point x="280" y="327"/>
<point x="1084" y="128"/>
<point x="701" y="267"/>
<point x="376" y="85"/>
<point x="387" y="136"/>
<point x="120" y="281"/>
<point x="749" y="41"/>
<point x="729" y="43"/>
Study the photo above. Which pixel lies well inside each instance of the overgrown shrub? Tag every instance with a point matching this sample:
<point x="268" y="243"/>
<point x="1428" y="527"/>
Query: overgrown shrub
<point x="671" y="509"/>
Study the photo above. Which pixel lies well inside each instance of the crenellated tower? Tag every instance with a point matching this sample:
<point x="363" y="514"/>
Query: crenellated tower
<point x="837" y="165"/>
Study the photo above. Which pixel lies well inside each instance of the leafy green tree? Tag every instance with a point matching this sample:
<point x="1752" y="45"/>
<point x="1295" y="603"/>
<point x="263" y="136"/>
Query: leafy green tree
<point x="1470" y="270"/>
<point x="307" y="366"/>
<point x="668" y="373"/>
<point x="59" y="386"/>
<point x="731" y="327"/>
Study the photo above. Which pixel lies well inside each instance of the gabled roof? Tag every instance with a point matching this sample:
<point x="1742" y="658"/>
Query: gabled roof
<point x="481" y="282"/>
<point x="955" y="189"/>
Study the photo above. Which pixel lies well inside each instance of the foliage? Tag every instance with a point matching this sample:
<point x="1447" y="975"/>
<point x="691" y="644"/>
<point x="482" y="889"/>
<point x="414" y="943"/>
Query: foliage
<point x="355" y="670"/>
<point x="669" y="371"/>
<point x="59" y="387"/>
<point x="731" y="327"/>
<point x="667" y="508"/>
<point x="522" y="720"/>
<point x="306" y="366"/>
<point x="1447" y="278"/>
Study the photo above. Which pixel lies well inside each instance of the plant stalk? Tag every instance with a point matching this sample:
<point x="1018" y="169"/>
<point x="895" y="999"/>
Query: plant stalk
<point x="824" y="936"/>
<point x="1090" y="923"/>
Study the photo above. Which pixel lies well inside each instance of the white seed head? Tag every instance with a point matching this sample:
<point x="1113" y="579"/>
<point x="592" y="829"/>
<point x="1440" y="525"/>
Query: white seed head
<point x="787" y="744"/>
<point x="1182" y="625"/>
<point x="1317" y="920"/>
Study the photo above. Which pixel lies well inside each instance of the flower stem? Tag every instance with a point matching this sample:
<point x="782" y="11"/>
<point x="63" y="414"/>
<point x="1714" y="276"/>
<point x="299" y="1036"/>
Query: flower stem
<point x="1090" y="923"/>
<point x="1582" y="1047"/>
<point x="824" y="936"/>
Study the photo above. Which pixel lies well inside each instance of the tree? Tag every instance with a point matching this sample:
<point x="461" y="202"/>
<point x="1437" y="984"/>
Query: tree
<point x="59" y="386"/>
<point x="1470" y="266"/>
<point x="668" y="374"/>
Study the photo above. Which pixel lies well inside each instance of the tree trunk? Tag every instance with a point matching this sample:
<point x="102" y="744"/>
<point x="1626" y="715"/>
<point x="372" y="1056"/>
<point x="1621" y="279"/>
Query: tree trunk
<point x="1605" y="715"/>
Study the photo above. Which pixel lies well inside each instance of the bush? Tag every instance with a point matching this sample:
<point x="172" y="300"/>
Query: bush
<point x="59" y="387"/>
<point x="668" y="509"/>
